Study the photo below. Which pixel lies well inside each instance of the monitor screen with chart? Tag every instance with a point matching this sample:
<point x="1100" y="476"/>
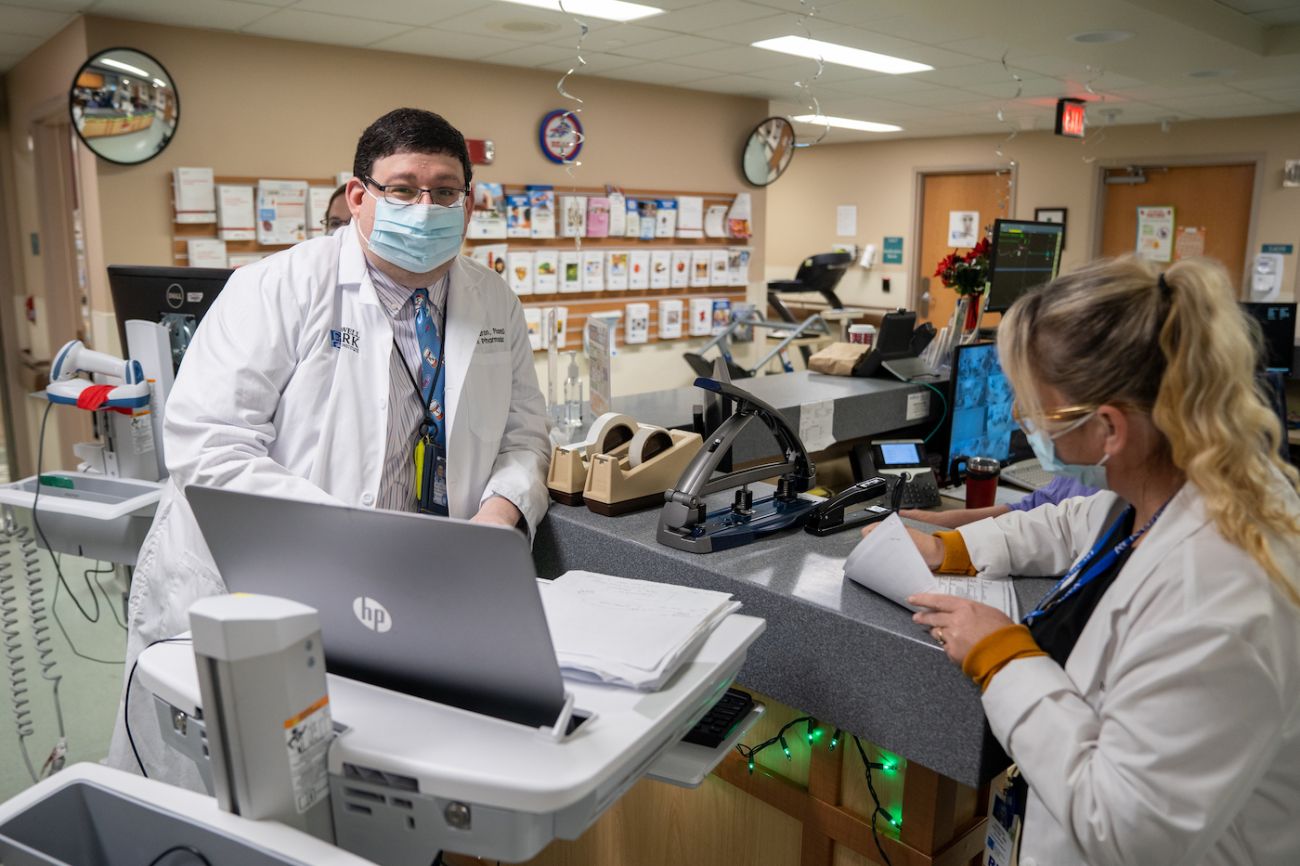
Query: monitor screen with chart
<point x="1024" y="255"/>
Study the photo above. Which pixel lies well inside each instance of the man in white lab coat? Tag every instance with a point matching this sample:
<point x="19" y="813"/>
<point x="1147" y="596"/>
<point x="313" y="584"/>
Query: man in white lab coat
<point x="374" y="367"/>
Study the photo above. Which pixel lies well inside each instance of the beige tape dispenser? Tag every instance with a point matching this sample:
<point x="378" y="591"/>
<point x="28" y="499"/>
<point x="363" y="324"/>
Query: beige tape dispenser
<point x="620" y="481"/>
<point x="569" y="463"/>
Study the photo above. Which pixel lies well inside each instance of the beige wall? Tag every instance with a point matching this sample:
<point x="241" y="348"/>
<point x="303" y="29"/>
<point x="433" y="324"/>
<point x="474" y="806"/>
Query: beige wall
<point x="880" y="178"/>
<point x="254" y="106"/>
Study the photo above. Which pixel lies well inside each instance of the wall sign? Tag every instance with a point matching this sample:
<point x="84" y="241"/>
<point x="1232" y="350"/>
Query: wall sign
<point x="560" y="135"/>
<point x="1284" y="249"/>
<point x="893" y="251"/>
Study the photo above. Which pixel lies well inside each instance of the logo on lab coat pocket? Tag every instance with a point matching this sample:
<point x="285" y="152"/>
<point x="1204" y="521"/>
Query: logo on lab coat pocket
<point x="372" y="614"/>
<point x="347" y="338"/>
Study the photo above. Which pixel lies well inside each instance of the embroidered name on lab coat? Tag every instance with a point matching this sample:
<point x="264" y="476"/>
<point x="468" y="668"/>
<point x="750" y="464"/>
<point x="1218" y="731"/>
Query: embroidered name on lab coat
<point x="347" y="338"/>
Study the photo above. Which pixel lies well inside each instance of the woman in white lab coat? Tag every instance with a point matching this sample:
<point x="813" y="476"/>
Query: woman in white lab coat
<point x="285" y="391"/>
<point x="1153" y="702"/>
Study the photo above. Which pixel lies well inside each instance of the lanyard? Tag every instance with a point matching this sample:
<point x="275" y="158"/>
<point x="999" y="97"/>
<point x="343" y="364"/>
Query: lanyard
<point x="1069" y="585"/>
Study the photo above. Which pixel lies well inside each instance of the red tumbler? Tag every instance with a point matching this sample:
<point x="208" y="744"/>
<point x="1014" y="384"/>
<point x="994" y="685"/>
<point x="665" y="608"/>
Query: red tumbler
<point x="982" y="481"/>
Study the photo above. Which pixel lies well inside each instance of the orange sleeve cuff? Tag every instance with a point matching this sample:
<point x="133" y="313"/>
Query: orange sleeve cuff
<point x="956" y="558"/>
<point x="996" y="650"/>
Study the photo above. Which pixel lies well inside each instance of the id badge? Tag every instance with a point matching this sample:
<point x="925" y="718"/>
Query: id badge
<point x="430" y="477"/>
<point x="1006" y="817"/>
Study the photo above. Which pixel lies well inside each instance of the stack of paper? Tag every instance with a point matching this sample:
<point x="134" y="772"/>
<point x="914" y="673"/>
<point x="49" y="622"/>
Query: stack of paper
<point x="888" y="562"/>
<point x="632" y="633"/>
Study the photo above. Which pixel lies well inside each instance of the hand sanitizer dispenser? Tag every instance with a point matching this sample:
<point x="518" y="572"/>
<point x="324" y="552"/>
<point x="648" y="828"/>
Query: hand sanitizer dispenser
<point x="1266" y="277"/>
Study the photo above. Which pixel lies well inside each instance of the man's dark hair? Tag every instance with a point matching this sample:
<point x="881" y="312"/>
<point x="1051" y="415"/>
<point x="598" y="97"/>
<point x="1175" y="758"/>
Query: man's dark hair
<point x="409" y="130"/>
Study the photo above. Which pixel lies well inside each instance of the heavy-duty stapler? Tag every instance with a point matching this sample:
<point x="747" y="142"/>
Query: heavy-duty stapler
<point x="684" y="522"/>
<point x="829" y="517"/>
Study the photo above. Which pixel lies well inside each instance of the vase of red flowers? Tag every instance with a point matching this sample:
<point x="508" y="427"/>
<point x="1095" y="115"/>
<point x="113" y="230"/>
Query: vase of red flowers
<point x="969" y="275"/>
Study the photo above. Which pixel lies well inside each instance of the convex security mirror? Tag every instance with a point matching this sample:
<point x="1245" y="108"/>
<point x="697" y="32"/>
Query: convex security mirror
<point x="124" y="106"/>
<point x="768" y="151"/>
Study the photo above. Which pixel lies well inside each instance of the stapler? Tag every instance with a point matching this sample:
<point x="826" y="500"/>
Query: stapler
<point x="684" y="523"/>
<point x="570" y="463"/>
<point x="829" y="517"/>
<point x="618" y="483"/>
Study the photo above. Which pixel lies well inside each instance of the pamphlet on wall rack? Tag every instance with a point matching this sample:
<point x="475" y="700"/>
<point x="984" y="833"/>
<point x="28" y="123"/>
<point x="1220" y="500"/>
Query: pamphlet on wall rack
<point x="887" y="562"/>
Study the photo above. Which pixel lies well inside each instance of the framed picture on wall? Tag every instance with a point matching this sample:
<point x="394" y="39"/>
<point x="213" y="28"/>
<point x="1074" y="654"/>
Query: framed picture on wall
<point x="1052" y="215"/>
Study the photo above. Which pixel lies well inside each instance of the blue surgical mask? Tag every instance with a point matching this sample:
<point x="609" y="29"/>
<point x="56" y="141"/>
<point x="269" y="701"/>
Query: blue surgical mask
<point x="1089" y="474"/>
<point x="416" y="237"/>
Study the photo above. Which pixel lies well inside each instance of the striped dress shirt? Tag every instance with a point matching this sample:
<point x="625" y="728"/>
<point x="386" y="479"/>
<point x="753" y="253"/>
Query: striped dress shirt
<point x="405" y="405"/>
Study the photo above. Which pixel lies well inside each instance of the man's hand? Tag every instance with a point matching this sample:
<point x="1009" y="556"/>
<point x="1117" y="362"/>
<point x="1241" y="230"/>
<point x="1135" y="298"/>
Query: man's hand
<point x="498" y="511"/>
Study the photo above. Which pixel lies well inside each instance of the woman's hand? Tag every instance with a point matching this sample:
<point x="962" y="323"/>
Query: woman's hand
<point x="931" y="548"/>
<point x="957" y="623"/>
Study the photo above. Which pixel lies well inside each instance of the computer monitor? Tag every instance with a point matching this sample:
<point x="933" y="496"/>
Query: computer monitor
<point x="1024" y="255"/>
<point x="1278" y="324"/>
<point x="980" y="403"/>
<point x="177" y="298"/>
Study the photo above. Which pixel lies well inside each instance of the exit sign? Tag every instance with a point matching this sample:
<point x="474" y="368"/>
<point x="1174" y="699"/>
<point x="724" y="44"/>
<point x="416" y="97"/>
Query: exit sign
<point x="1071" y="118"/>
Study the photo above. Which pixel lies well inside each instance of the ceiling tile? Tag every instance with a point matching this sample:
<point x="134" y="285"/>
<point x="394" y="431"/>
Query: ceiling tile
<point x="525" y="55"/>
<point x="859" y="13"/>
<point x="742" y="59"/>
<point x="216" y="14"/>
<point x="1289" y="97"/>
<point x="329" y="29"/>
<point x="441" y="43"/>
<point x="31" y="22"/>
<point x="917" y="29"/>
<point x="978" y="73"/>
<point x="1200" y="104"/>
<point x="597" y="63"/>
<point x="1024" y="89"/>
<point x="71" y="7"/>
<point x="610" y="39"/>
<point x="1278" y="17"/>
<point x="986" y="48"/>
<point x="1261" y="82"/>
<point x="1161" y="92"/>
<point x="705" y="16"/>
<point x="520" y="23"/>
<point x="417" y="13"/>
<point x="672" y="47"/>
<point x="751" y="30"/>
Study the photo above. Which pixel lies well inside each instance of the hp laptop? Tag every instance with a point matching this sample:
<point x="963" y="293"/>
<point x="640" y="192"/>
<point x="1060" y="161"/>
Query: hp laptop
<point x="437" y="608"/>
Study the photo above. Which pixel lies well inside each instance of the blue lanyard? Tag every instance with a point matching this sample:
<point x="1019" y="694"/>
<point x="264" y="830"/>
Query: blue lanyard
<point x="1068" y="585"/>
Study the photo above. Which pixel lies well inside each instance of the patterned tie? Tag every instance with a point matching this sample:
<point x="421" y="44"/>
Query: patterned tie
<point x="432" y="383"/>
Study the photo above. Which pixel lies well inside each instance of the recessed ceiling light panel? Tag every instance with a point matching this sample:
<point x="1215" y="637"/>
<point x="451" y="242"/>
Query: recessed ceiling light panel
<point x="609" y="10"/>
<point x="846" y="123"/>
<point x="843" y="55"/>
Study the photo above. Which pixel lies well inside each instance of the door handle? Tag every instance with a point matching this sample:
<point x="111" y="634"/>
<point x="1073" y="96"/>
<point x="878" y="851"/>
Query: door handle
<point x="923" y="302"/>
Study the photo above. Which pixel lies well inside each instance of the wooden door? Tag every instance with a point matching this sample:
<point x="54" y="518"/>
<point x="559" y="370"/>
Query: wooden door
<point x="1217" y="198"/>
<point x="984" y="191"/>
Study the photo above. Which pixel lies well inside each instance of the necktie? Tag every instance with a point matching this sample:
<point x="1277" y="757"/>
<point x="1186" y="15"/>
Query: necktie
<point x="431" y="447"/>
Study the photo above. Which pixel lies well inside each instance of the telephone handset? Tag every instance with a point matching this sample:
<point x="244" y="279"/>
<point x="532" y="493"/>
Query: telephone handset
<point x="893" y="458"/>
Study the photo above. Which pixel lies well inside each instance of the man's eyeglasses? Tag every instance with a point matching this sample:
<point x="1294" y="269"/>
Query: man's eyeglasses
<point x="402" y="195"/>
<point x="332" y="223"/>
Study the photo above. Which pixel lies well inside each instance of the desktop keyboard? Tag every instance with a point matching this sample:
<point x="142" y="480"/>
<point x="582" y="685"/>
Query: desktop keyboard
<point x="1027" y="474"/>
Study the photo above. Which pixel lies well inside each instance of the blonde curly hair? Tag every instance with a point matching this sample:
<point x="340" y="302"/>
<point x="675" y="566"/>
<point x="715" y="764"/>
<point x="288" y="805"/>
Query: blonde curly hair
<point x="1184" y="352"/>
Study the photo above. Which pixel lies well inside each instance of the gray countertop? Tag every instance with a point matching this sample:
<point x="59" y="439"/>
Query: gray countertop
<point x="832" y="648"/>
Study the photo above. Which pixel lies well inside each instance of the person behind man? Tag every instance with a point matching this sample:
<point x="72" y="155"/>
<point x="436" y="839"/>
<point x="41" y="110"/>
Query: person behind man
<point x="1152" y="698"/>
<point x="334" y="370"/>
<point x="1059" y="488"/>
<point x="338" y="213"/>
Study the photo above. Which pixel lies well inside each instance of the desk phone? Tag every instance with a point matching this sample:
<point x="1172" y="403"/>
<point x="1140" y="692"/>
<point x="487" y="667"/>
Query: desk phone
<point x="894" y="457"/>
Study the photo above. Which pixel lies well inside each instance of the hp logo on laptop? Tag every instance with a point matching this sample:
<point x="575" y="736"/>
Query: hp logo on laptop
<point x="372" y="614"/>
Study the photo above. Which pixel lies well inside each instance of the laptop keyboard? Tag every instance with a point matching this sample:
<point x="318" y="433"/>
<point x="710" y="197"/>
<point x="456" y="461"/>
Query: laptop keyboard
<point x="1028" y="474"/>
